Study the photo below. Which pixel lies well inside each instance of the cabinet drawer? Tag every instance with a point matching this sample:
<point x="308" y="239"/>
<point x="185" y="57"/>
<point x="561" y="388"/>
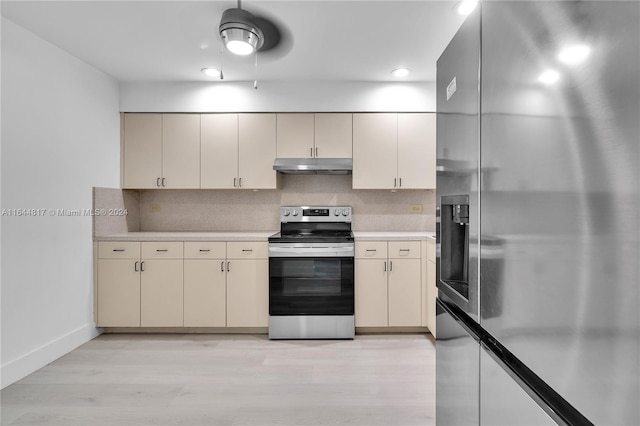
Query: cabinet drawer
<point x="404" y="249"/>
<point x="162" y="250"/>
<point x="118" y="250"/>
<point x="431" y="252"/>
<point x="371" y="249"/>
<point x="247" y="250"/>
<point x="205" y="250"/>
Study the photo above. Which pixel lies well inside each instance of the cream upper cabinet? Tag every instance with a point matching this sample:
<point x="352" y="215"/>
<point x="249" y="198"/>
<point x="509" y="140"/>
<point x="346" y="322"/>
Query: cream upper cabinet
<point x="219" y="151"/>
<point x="321" y="135"/>
<point x="142" y="150"/>
<point x="256" y="151"/>
<point x="416" y="150"/>
<point x="394" y="151"/>
<point x="161" y="151"/>
<point x="375" y="151"/>
<point x="180" y="151"/>
<point x="333" y="135"/>
<point x="295" y="136"/>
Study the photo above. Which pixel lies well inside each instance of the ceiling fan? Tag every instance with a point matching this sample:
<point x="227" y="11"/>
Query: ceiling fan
<point x="242" y="33"/>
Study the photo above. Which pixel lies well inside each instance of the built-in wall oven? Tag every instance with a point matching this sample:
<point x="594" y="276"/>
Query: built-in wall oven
<point x="311" y="275"/>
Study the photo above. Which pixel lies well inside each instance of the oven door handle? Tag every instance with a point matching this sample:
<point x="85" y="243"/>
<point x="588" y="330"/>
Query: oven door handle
<point x="311" y="252"/>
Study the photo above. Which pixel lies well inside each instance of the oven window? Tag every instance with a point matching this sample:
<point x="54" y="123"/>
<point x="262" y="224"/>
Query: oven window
<point x="311" y="286"/>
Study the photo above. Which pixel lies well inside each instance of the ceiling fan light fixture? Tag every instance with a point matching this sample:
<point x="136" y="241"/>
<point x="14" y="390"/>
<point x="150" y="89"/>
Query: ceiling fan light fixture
<point x="239" y="33"/>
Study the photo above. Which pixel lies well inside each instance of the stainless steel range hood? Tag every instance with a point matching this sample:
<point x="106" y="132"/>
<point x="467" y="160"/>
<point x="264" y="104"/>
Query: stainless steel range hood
<point x="313" y="166"/>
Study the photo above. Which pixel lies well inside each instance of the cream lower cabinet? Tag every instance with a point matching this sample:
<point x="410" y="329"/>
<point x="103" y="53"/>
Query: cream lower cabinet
<point x="247" y="284"/>
<point x="118" y="287"/>
<point x="388" y="284"/>
<point x="205" y="282"/>
<point x="161" y="284"/>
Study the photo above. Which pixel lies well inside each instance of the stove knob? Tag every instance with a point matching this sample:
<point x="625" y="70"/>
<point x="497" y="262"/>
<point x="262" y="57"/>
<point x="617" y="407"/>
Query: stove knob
<point x="295" y="212"/>
<point x="345" y="212"/>
<point x="286" y="212"/>
<point x="336" y="212"/>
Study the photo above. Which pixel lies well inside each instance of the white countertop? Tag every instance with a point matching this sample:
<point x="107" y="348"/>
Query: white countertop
<point x="252" y="236"/>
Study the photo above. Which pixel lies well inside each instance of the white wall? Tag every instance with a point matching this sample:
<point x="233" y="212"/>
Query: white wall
<point x="278" y="96"/>
<point x="60" y="137"/>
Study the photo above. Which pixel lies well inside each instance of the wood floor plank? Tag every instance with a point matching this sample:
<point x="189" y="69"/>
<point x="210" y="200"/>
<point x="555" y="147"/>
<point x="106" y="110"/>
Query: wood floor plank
<point x="230" y="380"/>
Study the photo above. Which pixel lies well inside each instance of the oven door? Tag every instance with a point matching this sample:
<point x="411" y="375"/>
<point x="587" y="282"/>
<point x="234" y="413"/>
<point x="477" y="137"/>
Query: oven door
<point x="311" y="285"/>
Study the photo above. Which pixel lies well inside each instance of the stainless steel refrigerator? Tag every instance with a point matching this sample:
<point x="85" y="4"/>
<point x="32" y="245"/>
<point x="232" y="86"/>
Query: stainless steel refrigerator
<point x="538" y="225"/>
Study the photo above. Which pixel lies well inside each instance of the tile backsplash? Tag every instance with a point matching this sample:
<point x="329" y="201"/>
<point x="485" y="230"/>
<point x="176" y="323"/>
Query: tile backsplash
<point x="247" y="210"/>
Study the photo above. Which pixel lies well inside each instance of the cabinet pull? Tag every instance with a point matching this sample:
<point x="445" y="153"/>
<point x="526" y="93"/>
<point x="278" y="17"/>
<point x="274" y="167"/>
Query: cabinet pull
<point x="228" y="266"/>
<point x="158" y="182"/>
<point x="118" y="250"/>
<point x="311" y="152"/>
<point x="372" y="249"/>
<point x="400" y="181"/>
<point x="234" y="182"/>
<point x="135" y="266"/>
<point x="316" y="152"/>
<point x="204" y="250"/>
<point x="390" y="265"/>
<point x="142" y="266"/>
<point x="239" y="182"/>
<point x="162" y="250"/>
<point x="395" y="181"/>
<point x="164" y="180"/>
<point x="247" y="250"/>
<point x="405" y="249"/>
<point x="385" y="266"/>
<point x="222" y="266"/>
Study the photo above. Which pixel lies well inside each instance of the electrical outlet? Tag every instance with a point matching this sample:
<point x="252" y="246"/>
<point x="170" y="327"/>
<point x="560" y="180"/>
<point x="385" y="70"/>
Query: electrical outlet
<point x="415" y="208"/>
<point x="155" y="207"/>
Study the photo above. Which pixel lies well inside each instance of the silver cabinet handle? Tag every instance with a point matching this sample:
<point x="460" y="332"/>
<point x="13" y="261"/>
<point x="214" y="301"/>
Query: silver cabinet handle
<point x="395" y="181"/>
<point x="161" y="250"/>
<point x="228" y="266"/>
<point x="142" y="266"/>
<point x="118" y="250"/>
<point x="234" y="182"/>
<point x="385" y="266"/>
<point x="204" y="250"/>
<point x="158" y="182"/>
<point x="311" y="152"/>
<point x="164" y="180"/>
<point x="405" y="249"/>
<point x="390" y="265"/>
<point x="135" y="266"/>
<point x="371" y="249"/>
<point x="400" y="181"/>
<point x="247" y="250"/>
<point x="316" y="152"/>
<point x="222" y="266"/>
<point x="239" y="182"/>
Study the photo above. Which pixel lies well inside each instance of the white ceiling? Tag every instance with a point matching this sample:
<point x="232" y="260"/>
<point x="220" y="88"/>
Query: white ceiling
<point x="172" y="40"/>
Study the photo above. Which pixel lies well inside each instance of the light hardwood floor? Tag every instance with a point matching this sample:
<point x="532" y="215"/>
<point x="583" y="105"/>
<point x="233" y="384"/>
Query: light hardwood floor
<point x="203" y="380"/>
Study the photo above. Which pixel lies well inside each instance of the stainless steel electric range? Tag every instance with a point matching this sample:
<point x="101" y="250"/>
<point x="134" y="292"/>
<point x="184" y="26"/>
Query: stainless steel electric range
<point x="311" y="274"/>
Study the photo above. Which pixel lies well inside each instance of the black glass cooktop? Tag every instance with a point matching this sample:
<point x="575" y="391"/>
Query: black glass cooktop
<point x="312" y="237"/>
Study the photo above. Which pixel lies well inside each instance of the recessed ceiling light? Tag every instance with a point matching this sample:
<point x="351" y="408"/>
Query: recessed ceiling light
<point x="211" y="72"/>
<point x="574" y="54"/>
<point x="400" y="72"/>
<point x="549" y="77"/>
<point x="465" y="7"/>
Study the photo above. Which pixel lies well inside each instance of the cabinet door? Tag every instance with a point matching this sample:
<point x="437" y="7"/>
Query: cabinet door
<point x="219" y="151"/>
<point x="375" y="150"/>
<point x="257" y="151"/>
<point x="181" y="150"/>
<point x="118" y="293"/>
<point x="371" y="293"/>
<point x="161" y="293"/>
<point x="417" y="150"/>
<point x="334" y="135"/>
<point x="142" y="155"/>
<point x="248" y="293"/>
<point x="404" y="292"/>
<point x="204" y="293"/>
<point x="295" y="135"/>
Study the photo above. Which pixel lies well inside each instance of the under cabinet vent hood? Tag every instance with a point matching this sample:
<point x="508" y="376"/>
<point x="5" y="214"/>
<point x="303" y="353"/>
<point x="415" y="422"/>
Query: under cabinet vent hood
<point x="314" y="166"/>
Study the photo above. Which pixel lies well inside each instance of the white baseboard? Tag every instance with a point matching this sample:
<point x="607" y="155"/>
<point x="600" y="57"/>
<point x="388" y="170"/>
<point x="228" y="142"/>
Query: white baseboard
<point x="30" y="362"/>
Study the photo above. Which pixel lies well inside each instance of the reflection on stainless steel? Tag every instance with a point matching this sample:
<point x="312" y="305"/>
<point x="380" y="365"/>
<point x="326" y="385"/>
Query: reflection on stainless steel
<point x="562" y="199"/>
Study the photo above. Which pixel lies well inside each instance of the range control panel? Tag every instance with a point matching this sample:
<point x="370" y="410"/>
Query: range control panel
<point x="315" y="214"/>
